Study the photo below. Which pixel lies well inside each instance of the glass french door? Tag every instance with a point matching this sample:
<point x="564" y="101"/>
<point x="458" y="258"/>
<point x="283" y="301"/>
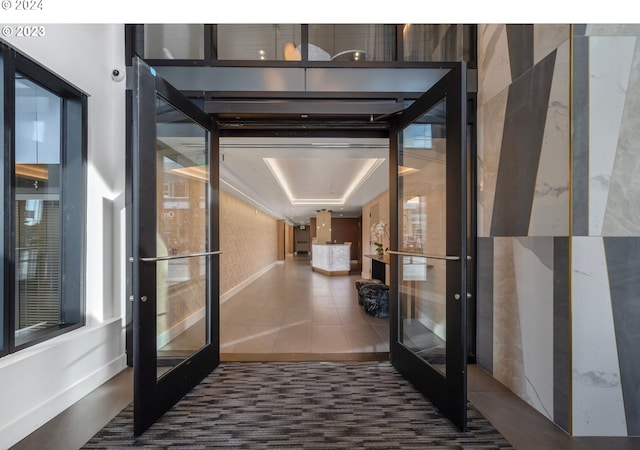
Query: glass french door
<point x="174" y="195"/>
<point x="428" y="291"/>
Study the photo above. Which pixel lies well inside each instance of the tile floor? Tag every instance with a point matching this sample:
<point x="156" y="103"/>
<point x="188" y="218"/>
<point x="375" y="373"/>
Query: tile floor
<point x="293" y="310"/>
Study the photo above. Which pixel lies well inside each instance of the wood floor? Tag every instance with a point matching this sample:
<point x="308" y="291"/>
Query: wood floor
<point x="263" y="334"/>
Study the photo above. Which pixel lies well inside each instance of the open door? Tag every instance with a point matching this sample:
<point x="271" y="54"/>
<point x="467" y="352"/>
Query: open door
<point x="428" y="211"/>
<point x="174" y="208"/>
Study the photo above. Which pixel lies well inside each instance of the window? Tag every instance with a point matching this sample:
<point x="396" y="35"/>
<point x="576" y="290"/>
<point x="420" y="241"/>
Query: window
<point x="174" y="41"/>
<point x="352" y="42"/>
<point x="258" y="42"/>
<point x="437" y="42"/>
<point x="44" y="122"/>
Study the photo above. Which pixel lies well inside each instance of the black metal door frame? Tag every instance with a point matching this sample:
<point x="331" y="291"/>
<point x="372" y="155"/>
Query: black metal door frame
<point x="153" y="396"/>
<point x="448" y="392"/>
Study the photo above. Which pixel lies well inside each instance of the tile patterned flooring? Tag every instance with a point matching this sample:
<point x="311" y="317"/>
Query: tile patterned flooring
<point x="293" y="310"/>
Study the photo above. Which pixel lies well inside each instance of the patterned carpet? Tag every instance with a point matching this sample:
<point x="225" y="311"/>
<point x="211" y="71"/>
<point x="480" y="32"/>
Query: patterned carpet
<point x="302" y="405"/>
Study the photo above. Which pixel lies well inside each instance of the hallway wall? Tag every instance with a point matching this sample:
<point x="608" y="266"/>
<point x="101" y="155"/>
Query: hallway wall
<point x="605" y="308"/>
<point x="523" y="212"/>
<point x="248" y="241"/>
<point x="39" y="382"/>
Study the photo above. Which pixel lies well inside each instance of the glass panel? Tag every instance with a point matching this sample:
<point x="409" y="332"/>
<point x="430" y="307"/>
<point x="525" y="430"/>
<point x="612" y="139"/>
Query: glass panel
<point x="2" y="175"/>
<point x="37" y="210"/>
<point x="174" y="41"/>
<point x="422" y="229"/>
<point x="269" y="42"/>
<point x="182" y="228"/>
<point x="359" y="42"/>
<point x="435" y="42"/>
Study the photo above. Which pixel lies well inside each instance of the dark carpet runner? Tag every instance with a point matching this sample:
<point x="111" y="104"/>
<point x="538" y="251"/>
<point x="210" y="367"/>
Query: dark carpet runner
<point x="302" y="405"/>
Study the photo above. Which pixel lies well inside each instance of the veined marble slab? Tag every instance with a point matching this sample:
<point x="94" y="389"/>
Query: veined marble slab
<point x="550" y="207"/>
<point x="615" y="29"/>
<point x="610" y="66"/>
<point x="533" y="262"/>
<point x="623" y="201"/>
<point x="331" y="258"/>
<point x="598" y="407"/>
<point x="548" y="37"/>
<point x="490" y="126"/>
<point x="508" y="363"/>
<point x="494" y="74"/>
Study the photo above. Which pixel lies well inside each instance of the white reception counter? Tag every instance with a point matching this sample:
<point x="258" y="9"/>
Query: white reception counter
<point x="331" y="259"/>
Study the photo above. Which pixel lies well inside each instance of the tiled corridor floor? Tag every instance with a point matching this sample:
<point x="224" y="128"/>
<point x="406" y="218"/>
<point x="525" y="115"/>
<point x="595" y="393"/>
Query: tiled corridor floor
<point x="293" y="310"/>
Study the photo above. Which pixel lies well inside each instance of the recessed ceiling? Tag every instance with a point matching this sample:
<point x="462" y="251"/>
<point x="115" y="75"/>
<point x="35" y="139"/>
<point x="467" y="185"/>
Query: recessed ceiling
<point x="291" y="178"/>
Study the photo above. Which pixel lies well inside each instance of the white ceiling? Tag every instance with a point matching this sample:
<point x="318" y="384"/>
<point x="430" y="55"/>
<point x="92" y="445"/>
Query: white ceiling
<point x="292" y="178"/>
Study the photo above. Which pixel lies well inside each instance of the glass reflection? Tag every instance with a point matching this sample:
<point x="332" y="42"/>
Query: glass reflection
<point x="353" y="42"/>
<point x="37" y="208"/>
<point x="182" y="169"/>
<point x="422" y="226"/>
<point x="174" y="41"/>
<point x="436" y="42"/>
<point x="261" y="42"/>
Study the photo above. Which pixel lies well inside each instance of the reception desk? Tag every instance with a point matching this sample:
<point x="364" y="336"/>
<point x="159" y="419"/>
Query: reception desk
<point x="331" y="259"/>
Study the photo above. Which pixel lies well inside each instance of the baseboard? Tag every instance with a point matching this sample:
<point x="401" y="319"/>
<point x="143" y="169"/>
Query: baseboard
<point x="233" y="291"/>
<point x="16" y="430"/>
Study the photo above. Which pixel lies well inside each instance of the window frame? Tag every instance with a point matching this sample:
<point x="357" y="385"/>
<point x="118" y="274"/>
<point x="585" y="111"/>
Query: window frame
<point x="73" y="196"/>
<point x="134" y="45"/>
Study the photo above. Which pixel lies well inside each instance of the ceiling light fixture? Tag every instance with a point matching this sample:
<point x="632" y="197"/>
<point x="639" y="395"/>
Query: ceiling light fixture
<point x="369" y="167"/>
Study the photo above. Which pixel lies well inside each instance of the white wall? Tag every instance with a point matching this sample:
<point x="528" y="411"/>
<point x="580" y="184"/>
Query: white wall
<point x="38" y="383"/>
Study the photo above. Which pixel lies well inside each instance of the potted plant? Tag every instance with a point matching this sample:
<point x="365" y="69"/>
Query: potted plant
<point x="379" y="231"/>
<point x="379" y="249"/>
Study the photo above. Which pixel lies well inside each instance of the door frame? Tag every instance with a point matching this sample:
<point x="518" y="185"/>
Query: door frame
<point x="152" y="395"/>
<point x="447" y="393"/>
<point x="293" y="131"/>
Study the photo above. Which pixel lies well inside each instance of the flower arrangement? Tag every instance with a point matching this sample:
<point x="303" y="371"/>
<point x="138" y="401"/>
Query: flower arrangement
<point x="379" y="231"/>
<point x="379" y="248"/>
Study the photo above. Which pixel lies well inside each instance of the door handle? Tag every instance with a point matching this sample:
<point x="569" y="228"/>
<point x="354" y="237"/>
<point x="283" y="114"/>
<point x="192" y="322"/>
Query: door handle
<point x="423" y="255"/>
<point x="189" y="255"/>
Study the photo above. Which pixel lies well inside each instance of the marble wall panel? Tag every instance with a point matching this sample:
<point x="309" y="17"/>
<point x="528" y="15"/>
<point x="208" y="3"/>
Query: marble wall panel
<point x="561" y="334"/>
<point x="609" y="68"/>
<point x="623" y="260"/>
<point x="527" y="108"/>
<point x="520" y="42"/>
<point x="508" y="362"/>
<point x="550" y="208"/>
<point x="548" y="37"/>
<point x="533" y="264"/>
<point x="580" y="141"/>
<point x="623" y="201"/>
<point x="598" y="407"/>
<point x="484" y="343"/>
<point x="614" y="29"/>
<point x="490" y="127"/>
<point x="494" y="70"/>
